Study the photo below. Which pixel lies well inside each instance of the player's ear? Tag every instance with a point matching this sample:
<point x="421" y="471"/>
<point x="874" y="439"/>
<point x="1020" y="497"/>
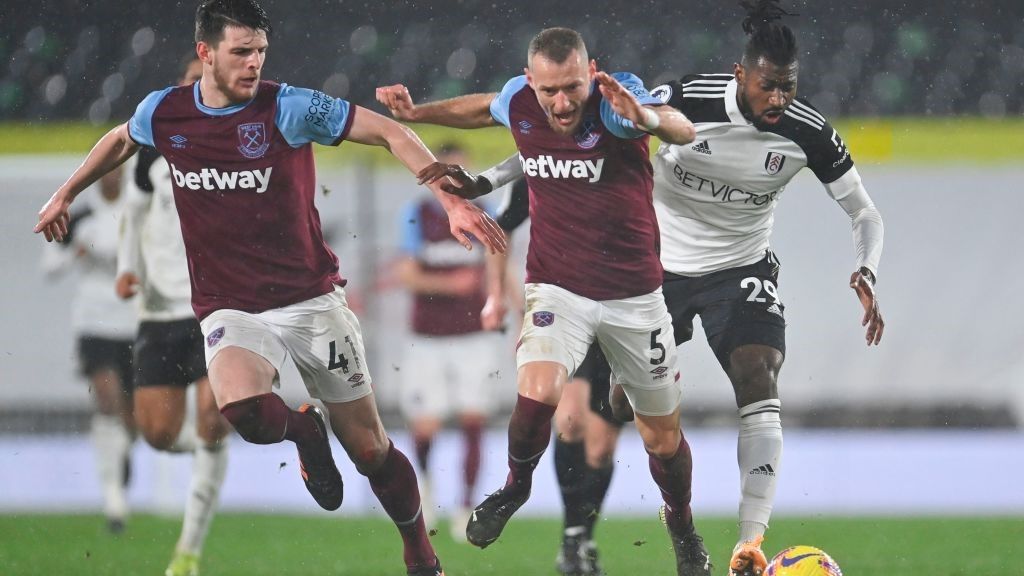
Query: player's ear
<point x="529" y="77"/>
<point x="737" y="71"/>
<point x="203" y="50"/>
<point x="592" y="69"/>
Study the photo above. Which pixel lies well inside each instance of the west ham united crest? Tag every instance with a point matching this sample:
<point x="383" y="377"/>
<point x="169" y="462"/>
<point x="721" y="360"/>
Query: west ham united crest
<point x="214" y="337"/>
<point x="542" y="319"/>
<point x="773" y="163"/>
<point x="252" y="140"/>
<point x="588" y="135"/>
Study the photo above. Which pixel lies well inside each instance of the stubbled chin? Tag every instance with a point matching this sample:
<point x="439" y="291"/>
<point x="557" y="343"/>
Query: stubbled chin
<point x="564" y="129"/>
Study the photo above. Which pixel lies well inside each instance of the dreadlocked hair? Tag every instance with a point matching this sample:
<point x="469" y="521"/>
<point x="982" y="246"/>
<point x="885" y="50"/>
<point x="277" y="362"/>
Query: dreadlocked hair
<point x="775" y="42"/>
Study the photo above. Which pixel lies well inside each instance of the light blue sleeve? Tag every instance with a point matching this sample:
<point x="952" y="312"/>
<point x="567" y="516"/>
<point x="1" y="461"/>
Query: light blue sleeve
<point x="618" y="125"/>
<point x="140" y="125"/>
<point x="305" y="115"/>
<point x="500" y="104"/>
<point x="412" y="229"/>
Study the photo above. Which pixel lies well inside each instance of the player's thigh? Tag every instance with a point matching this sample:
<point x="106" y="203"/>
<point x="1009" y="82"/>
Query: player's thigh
<point x="106" y="363"/>
<point x="159" y="413"/>
<point x="211" y="426"/>
<point x="327" y="347"/>
<point x="474" y="368"/>
<point x="243" y="355"/>
<point x="558" y="326"/>
<point x="636" y="337"/>
<point x="571" y="414"/>
<point x="743" y="308"/>
<point x="423" y="378"/>
<point x="357" y="425"/>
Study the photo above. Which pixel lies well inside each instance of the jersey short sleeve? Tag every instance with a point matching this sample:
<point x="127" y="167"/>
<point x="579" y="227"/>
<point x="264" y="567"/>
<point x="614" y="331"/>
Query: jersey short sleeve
<point x="618" y="125"/>
<point x="827" y="154"/>
<point x="501" y="102"/>
<point x="305" y="115"/>
<point x="411" y="227"/>
<point x="140" y="125"/>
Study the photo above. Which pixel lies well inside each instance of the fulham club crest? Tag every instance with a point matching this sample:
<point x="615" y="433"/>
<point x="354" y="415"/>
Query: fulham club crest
<point x="252" y="139"/>
<point x="773" y="163"/>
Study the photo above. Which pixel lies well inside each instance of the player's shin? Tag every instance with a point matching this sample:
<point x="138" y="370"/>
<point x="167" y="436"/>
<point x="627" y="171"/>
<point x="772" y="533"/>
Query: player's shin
<point x="112" y="443"/>
<point x="570" y="469"/>
<point x="759" y="453"/>
<point x="394" y="483"/>
<point x="674" y="476"/>
<point x="529" y="431"/>
<point x="209" y="465"/>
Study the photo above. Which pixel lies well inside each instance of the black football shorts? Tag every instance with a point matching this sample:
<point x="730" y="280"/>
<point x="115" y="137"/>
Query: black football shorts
<point x="169" y="353"/>
<point x="737" y="306"/>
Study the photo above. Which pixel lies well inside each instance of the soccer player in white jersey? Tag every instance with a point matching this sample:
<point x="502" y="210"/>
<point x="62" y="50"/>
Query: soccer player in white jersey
<point x="105" y="327"/>
<point x="169" y="345"/>
<point x="715" y="202"/>
<point x="265" y="286"/>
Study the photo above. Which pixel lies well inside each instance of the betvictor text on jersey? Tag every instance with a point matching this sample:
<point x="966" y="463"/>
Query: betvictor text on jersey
<point x="546" y="166"/>
<point x="213" y="179"/>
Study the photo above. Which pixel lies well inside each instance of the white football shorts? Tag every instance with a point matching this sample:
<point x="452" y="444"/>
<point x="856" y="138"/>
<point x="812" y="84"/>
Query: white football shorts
<point x="321" y="335"/>
<point x="443" y="376"/>
<point x="634" y="333"/>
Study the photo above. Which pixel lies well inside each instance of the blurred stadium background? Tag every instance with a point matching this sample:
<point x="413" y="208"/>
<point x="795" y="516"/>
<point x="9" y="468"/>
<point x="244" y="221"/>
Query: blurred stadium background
<point x="929" y="98"/>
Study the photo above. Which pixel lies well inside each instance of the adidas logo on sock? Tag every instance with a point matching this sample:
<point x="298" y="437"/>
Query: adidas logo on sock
<point x="765" y="470"/>
<point x="702" y="147"/>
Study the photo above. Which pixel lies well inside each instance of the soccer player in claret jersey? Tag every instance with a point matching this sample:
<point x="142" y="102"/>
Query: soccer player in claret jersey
<point x="449" y="364"/>
<point x="582" y="138"/>
<point x="264" y="284"/>
<point x="169" y="346"/>
<point x="715" y="202"/>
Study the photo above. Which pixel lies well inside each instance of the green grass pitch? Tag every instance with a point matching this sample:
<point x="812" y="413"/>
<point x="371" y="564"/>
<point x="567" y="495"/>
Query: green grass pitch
<point x="252" y="544"/>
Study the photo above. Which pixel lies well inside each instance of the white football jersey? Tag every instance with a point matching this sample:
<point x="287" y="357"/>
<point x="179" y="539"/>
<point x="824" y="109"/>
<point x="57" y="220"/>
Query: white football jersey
<point x="90" y="249"/>
<point x="716" y="197"/>
<point x="152" y="245"/>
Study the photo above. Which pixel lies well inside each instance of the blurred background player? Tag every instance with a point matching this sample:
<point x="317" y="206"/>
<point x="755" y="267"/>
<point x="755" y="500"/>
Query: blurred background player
<point x="265" y="286"/>
<point x="450" y="363"/>
<point x="169" y="346"/>
<point x="105" y="327"/>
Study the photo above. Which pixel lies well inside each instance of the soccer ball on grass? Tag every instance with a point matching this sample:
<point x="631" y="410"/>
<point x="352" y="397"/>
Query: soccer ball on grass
<point x="803" y="561"/>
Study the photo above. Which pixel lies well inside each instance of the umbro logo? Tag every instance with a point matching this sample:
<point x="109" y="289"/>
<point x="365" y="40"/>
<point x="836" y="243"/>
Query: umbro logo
<point x="178" y="141"/>
<point x="764" y="470"/>
<point x="525" y="126"/>
<point x="702" y="147"/>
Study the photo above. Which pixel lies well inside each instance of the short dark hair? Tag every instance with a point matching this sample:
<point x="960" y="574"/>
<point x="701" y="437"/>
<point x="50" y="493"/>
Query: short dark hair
<point x="775" y="42"/>
<point x="556" y="44"/>
<point x="213" y="16"/>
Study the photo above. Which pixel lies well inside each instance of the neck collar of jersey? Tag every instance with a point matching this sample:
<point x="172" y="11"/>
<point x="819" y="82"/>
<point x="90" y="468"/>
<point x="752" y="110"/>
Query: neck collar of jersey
<point x="732" y="106"/>
<point x="214" y="111"/>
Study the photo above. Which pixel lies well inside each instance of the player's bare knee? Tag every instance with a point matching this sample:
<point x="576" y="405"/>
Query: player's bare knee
<point x="159" y="434"/>
<point x="368" y="459"/>
<point x="663" y="445"/>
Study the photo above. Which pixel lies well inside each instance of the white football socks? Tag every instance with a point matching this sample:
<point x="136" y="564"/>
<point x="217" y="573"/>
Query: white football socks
<point x="209" y="466"/>
<point x="112" y="443"/>
<point x="759" y="453"/>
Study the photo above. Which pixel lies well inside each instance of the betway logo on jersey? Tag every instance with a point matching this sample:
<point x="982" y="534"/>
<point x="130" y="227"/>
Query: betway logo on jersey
<point x="213" y="179"/>
<point x="547" y="167"/>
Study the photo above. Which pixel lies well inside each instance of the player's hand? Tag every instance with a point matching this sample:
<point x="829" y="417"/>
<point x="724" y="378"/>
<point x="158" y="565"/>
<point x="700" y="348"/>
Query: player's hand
<point x="621" y="100"/>
<point x="126" y="285"/>
<point x="454" y="180"/>
<point x="865" y="290"/>
<point x="397" y="100"/>
<point x="54" y="218"/>
<point x="492" y="317"/>
<point x="467" y="219"/>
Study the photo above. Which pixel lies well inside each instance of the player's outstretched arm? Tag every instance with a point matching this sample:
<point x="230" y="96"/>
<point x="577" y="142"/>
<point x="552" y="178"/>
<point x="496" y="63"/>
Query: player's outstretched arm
<point x="110" y="152"/>
<point x="469" y="111"/>
<point x="665" y="122"/>
<point x="465" y="218"/>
